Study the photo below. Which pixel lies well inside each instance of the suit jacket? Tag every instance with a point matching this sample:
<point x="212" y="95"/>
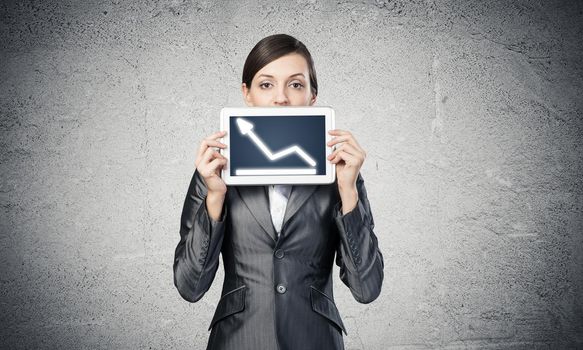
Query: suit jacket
<point x="277" y="293"/>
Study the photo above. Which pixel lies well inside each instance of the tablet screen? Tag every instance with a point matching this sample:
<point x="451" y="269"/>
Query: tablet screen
<point x="277" y="145"/>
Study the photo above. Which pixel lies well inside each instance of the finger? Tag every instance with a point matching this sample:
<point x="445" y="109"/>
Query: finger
<point x="336" y="150"/>
<point x="337" y="139"/>
<point x="217" y="154"/>
<point x="216" y="135"/>
<point x="351" y="149"/>
<point x="209" y="155"/>
<point x="338" y="132"/>
<point x="204" y="144"/>
<point x="347" y="137"/>
<point x="346" y="157"/>
<point x="211" y="143"/>
<point x="336" y="158"/>
<point x="348" y="148"/>
<point x="202" y="149"/>
<point x="216" y="165"/>
<point x="209" y="165"/>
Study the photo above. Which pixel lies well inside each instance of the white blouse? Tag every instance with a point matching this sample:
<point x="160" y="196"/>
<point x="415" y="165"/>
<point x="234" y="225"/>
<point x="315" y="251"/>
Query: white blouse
<point x="278" y="196"/>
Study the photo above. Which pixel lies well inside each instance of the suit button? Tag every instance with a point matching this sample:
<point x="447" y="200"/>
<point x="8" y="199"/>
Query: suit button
<point x="281" y="288"/>
<point x="279" y="253"/>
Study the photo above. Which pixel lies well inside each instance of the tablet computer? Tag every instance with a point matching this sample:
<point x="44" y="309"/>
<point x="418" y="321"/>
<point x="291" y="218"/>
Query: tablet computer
<point x="277" y="145"/>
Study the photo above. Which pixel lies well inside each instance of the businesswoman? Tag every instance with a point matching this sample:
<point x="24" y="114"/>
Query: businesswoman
<point x="278" y="247"/>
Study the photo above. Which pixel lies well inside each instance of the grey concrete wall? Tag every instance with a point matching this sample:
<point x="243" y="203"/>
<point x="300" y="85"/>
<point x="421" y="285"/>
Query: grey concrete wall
<point x="471" y="114"/>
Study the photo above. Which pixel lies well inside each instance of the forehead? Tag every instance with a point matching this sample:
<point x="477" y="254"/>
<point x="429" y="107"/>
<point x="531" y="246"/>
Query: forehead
<point x="285" y="66"/>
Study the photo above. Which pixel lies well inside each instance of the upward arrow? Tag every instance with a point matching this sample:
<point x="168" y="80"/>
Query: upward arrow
<point x="246" y="128"/>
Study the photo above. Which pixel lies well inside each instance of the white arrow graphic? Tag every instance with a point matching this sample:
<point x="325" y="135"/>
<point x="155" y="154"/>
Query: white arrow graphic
<point x="246" y="128"/>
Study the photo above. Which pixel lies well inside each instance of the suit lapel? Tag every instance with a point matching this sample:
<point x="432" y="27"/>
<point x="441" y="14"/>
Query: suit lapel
<point x="257" y="200"/>
<point x="299" y="195"/>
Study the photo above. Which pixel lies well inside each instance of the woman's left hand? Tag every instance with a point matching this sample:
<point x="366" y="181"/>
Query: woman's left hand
<point x="348" y="157"/>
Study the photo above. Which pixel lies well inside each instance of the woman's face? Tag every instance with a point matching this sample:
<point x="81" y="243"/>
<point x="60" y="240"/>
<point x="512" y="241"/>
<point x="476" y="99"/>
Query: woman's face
<point x="283" y="82"/>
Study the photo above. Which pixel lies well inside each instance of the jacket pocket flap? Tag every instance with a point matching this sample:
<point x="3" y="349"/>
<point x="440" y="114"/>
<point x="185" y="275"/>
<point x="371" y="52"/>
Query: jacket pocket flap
<point x="230" y="303"/>
<point x="323" y="305"/>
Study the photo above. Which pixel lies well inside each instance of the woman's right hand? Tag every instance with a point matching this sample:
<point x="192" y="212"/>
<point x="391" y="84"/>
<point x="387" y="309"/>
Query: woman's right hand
<point x="209" y="163"/>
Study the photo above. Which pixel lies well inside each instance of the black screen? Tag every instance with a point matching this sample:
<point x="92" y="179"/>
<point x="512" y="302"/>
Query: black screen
<point x="277" y="134"/>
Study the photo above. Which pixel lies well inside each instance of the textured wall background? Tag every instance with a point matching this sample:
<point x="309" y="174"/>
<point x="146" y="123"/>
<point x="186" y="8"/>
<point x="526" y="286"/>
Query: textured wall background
<point x="471" y="114"/>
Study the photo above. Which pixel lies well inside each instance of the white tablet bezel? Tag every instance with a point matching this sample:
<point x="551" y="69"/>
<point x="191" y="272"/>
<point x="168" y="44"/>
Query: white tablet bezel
<point x="230" y="112"/>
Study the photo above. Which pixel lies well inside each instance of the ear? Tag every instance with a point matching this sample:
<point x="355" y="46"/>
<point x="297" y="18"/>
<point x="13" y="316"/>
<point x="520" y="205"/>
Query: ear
<point x="246" y="97"/>
<point x="313" y="99"/>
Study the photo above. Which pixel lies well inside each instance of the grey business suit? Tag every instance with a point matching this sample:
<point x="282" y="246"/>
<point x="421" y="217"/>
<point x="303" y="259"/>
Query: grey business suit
<point x="277" y="294"/>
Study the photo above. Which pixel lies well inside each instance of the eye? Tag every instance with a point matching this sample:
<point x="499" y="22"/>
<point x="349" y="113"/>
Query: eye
<point x="265" y="85"/>
<point x="297" y="85"/>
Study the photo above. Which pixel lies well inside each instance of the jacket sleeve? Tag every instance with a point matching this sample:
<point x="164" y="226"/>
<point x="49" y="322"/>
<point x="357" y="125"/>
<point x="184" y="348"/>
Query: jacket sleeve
<point x="196" y="258"/>
<point x="358" y="255"/>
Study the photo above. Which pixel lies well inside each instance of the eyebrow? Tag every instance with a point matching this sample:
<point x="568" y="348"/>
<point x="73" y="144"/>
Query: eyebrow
<point x="293" y="75"/>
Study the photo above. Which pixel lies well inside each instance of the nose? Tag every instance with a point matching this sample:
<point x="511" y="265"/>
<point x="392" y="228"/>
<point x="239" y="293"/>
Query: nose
<point x="280" y="97"/>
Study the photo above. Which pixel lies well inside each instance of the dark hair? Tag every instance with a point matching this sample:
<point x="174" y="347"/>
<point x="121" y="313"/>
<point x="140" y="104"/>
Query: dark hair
<point x="273" y="47"/>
